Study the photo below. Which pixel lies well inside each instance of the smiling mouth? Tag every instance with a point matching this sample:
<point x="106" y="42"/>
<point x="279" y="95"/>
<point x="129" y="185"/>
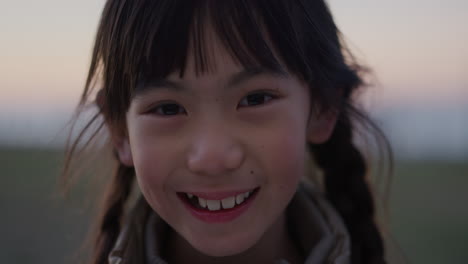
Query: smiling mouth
<point x="222" y="205"/>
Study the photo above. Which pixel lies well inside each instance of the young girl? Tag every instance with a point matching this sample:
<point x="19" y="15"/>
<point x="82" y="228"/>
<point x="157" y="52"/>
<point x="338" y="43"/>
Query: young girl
<point x="214" y="108"/>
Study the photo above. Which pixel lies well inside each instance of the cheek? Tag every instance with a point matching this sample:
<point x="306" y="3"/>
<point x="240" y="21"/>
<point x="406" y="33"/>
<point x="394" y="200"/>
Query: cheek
<point x="289" y="157"/>
<point x="283" y="166"/>
<point x="286" y="143"/>
<point x="285" y="155"/>
<point x="150" y="154"/>
<point x="152" y="174"/>
<point x="151" y="168"/>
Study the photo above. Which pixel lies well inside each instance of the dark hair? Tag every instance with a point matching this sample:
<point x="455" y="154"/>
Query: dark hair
<point x="142" y="39"/>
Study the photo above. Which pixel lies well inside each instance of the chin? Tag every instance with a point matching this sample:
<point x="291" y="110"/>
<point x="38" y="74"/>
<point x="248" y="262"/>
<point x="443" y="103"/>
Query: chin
<point x="222" y="251"/>
<point x="223" y="247"/>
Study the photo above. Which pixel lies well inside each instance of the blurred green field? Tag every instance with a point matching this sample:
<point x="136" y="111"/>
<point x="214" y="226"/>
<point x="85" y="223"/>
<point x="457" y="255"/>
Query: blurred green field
<point x="429" y="215"/>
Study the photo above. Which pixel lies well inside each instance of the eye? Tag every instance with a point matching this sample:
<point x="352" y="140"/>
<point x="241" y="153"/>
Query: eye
<point x="256" y="99"/>
<point x="168" y="109"/>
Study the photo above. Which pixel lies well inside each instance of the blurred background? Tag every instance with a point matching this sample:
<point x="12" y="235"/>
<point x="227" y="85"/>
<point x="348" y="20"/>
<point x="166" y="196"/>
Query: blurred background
<point x="418" y="50"/>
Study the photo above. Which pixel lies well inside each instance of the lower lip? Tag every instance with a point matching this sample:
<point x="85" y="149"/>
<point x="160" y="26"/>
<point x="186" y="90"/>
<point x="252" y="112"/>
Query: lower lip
<point x="220" y="216"/>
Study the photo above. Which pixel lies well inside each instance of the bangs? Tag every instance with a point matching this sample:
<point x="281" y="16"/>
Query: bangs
<point x="143" y="40"/>
<point x="185" y="27"/>
<point x="160" y="35"/>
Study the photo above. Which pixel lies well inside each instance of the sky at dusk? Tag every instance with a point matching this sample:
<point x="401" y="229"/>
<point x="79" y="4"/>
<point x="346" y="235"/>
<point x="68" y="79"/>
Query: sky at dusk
<point x="418" y="50"/>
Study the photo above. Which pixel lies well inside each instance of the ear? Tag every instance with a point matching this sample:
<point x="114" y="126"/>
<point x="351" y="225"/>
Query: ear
<point x="124" y="152"/>
<point x="120" y="142"/>
<point x="321" y="126"/>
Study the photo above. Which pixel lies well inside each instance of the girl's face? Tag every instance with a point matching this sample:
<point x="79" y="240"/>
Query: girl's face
<point x="218" y="136"/>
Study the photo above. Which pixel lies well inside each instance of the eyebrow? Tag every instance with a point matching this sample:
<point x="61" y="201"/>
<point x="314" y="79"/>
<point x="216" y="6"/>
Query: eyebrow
<point x="235" y="80"/>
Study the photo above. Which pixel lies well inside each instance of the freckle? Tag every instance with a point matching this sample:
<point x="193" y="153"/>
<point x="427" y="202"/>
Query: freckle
<point x="251" y="172"/>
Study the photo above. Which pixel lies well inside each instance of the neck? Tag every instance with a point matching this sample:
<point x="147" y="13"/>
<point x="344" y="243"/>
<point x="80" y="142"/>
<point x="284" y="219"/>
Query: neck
<point x="275" y="244"/>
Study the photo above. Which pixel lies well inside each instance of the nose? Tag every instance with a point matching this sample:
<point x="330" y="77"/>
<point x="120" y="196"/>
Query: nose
<point x="214" y="151"/>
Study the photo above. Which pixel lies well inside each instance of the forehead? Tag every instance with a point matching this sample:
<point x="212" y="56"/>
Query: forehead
<point x="209" y="61"/>
<point x="208" y="57"/>
<point x="210" y="53"/>
<point x="208" y="46"/>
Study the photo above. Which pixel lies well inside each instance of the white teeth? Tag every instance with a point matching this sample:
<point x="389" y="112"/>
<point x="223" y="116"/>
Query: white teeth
<point x="213" y="205"/>
<point x="239" y="198"/>
<point x="202" y="202"/>
<point x="228" y="202"/>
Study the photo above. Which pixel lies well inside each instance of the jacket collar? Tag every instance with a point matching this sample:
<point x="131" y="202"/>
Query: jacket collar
<point x="317" y="227"/>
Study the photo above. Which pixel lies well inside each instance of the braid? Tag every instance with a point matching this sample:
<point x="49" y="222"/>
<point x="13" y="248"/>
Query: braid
<point x="113" y="209"/>
<point x="346" y="187"/>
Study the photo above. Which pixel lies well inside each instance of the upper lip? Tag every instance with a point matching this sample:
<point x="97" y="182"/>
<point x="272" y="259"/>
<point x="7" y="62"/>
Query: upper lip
<point x="214" y="195"/>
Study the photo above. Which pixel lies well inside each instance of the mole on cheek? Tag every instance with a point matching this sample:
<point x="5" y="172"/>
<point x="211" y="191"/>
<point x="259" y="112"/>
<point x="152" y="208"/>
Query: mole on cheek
<point x="251" y="172"/>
